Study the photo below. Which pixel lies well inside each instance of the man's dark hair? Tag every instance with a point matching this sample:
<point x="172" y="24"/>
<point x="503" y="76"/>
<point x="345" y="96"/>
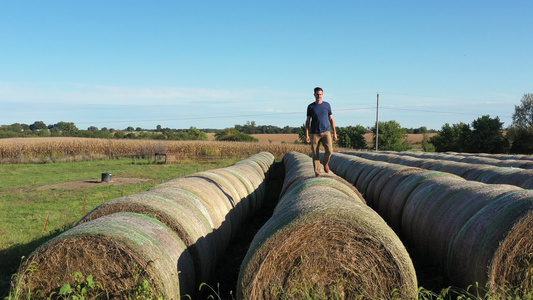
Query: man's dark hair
<point x="318" y="89"/>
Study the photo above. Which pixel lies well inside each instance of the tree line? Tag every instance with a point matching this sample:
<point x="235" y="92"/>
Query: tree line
<point x="483" y="135"/>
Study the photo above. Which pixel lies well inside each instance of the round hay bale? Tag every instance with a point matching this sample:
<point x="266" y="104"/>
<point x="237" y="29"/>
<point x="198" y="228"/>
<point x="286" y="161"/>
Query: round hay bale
<point x="497" y="227"/>
<point x="406" y="161"/>
<point x="337" y="164"/>
<point x="457" y="168"/>
<point x="322" y="241"/>
<point x="385" y="196"/>
<point x="376" y="185"/>
<point x="215" y="202"/>
<point x="377" y="156"/>
<point x="179" y="214"/>
<point x="402" y="191"/>
<point x="251" y="183"/>
<point x="367" y="174"/>
<point x="452" y="212"/>
<point x="301" y="166"/>
<point x="358" y="167"/>
<point x="262" y="159"/>
<point x="119" y="250"/>
<point x="423" y="198"/>
<point x="477" y="172"/>
<point x="297" y="168"/>
<point x="494" y="176"/>
<point x="228" y="185"/>
<point x="518" y="178"/>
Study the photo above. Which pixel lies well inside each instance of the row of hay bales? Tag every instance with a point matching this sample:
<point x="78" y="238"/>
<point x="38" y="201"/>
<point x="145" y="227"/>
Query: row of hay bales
<point x="477" y="233"/>
<point x="500" y="160"/>
<point x="486" y="173"/>
<point x="171" y="235"/>
<point x="324" y="242"/>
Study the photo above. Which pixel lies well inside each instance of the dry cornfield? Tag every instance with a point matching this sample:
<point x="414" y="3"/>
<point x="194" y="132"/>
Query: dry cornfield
<point x="16" y="150"/>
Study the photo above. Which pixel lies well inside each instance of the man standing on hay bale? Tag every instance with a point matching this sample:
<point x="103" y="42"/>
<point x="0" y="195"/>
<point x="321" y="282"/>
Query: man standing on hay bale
<point x="319" y="117"/>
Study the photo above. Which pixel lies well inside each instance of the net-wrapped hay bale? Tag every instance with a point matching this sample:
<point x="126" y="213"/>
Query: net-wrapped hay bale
<point x="394" y="196"/>
<point x="323" y="239"/>
<point x="119" y="250"/>
<point x="227" y="184"/>
<point x="181" y="213"/>
<point x="380" y="181"/>
<point x="214" y="201"/>
<point x="503" y="228"/>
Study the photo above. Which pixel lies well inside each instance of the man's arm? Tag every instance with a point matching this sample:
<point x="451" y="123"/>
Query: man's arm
<point x="307" y="124"/>
<point x="332" y="121"/>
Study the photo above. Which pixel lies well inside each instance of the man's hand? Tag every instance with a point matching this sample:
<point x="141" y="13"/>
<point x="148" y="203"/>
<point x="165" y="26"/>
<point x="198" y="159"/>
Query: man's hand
<point x="307" y="139"/>
<point x="335" y="137"/>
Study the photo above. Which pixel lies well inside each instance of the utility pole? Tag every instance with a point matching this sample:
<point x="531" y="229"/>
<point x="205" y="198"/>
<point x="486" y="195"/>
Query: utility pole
<point x="377" y="123"/>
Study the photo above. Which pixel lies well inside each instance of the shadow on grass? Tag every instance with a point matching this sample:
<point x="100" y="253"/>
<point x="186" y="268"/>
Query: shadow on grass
<point x="11" y="258"/>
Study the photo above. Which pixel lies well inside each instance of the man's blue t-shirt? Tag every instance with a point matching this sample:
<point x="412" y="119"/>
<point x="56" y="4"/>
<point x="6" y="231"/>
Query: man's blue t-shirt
<point x="319" y="114"/>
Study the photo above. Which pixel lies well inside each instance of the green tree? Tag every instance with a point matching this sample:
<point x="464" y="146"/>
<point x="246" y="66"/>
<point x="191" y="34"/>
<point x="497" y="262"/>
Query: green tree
<point x="67" y="128"/>
<point x="38" y="125"/>
<point x="351" y="137"/>
<point x="487" y="136"/>
<point x="232" y="134"/>
<point x="196" y="134"/>
<point x="452" y="138"/>
<point x="520" y="133"/>
<point x="523" y="113"/>
<point x="391" y="136"/>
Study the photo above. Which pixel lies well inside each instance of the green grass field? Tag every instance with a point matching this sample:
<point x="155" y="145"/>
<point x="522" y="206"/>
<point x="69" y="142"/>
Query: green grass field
<point x="31" y="193"/>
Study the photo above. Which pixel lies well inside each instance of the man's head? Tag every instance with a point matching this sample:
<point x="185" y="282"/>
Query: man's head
<point x="318" y="94"/>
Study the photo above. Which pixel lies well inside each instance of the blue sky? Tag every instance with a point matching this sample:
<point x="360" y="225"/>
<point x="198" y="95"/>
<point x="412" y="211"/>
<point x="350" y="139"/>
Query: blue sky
<point x="214" y="64"/>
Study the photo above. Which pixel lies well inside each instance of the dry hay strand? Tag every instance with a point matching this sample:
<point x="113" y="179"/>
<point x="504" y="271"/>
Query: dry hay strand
<point x="397" y="193"/>
<point x="376" y="185"/>
<point x="179" y="214"/>
<point x="120" y="251"/>
<point x="322" y="243"/>
<point x="497" y="227"/>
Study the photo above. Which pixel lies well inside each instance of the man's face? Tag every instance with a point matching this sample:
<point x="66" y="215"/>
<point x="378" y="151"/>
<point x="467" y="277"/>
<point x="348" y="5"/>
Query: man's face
<point x="318" y="95"/>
